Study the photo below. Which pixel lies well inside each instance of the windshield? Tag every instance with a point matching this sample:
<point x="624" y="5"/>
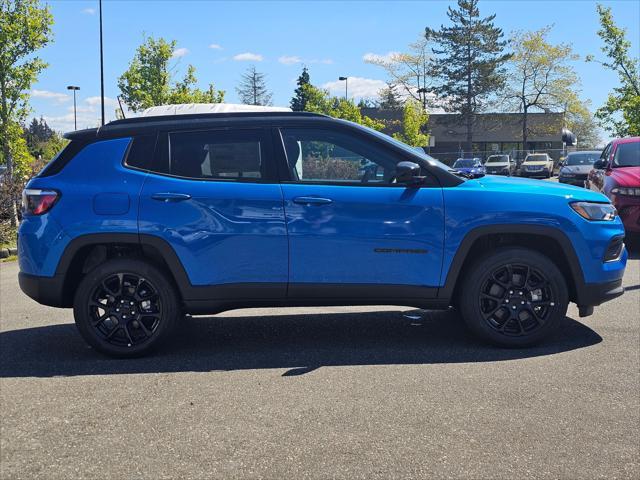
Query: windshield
<point x="583" y="158"/>
<point x="404" y="146"/>
<point x="536" y="158"/>
<point x="498" y="159"/>
<point x="627" y="155"/>
<point x="461" y="163"/>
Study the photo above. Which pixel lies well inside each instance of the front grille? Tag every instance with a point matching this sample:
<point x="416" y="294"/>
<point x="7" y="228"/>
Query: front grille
<point x="614" y="249"/>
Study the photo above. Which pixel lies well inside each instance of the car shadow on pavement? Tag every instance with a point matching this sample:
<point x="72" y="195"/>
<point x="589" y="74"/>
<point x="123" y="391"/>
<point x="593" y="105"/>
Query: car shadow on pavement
<point x="297" y="342"/>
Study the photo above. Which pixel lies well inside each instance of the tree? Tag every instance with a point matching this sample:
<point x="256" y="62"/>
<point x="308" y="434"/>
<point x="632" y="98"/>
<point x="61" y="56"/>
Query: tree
<point x="149" y="81"/>
<point x="299" y="100"/>
<point x="541" y="77"/>
<point x="388" y="98"/>
<point x="414" y="118"/>
<point x="320" y="101"/>
<point x="469" y="62"/>
<point x="253" y="88"/>
<point x="25" y="27"/>
<point x="41" y="140"/>
<point x="621" y="114"/>
<point x="410" y="72"/>
<point x="582" y="123"/>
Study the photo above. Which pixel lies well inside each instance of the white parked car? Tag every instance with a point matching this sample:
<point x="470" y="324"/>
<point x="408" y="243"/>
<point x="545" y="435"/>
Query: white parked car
<point x="537" y="165"/>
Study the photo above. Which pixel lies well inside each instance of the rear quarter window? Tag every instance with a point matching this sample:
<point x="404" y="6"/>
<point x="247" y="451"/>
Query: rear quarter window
<point x="141" y="151"/>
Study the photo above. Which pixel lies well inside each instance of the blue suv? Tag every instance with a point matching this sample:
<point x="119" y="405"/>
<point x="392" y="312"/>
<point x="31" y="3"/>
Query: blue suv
<point x="144" y="220"/>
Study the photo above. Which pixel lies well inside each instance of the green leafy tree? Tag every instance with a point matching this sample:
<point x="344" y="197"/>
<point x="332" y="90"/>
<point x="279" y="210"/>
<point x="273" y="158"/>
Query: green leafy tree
<point x="411" y="72"/>
<point x="414" y="119"/>
<point x="320" y="101"/>
<point x="620" y="115"/>
<point x="470" y="62"/>
<point x="388" y="98"/>
<point x="42" y="141"/>
<point x="25" y="27"/>
<point x="299" y="100"/>
<point x="148" y="81"/>
<point x="582" y="123"/>
<point x="540" y="76"/>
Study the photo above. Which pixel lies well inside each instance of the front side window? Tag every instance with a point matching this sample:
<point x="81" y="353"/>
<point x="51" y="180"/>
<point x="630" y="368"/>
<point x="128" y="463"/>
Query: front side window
<point x="319" y="155"/>
<point x="627" y="155"/>
<point x="216" y="155"/>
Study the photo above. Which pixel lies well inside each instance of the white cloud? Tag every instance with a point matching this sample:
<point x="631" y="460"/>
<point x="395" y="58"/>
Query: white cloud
<point x="289" y="59"/>
<point x="375" y="57"/>
<point x="55" y="96"/>
<point x="95" y="101"/>
<point x="248" y="57"/>
<point x="215" y="46"/>
<point x="358" y="87"/>
<point x="179" y="52"/>
<point x="89" y="11"/>
<point x="294" y="59"/>
<point x="64" y="123"/>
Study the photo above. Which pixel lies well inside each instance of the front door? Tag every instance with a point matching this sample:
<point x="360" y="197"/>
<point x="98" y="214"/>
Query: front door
<point x="351" y="228"/>
<point x="214" y="197"/>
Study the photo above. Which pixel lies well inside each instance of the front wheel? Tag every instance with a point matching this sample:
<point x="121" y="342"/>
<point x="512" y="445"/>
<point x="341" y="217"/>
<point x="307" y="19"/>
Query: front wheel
<point x="125" y="307"/>
<point x="514" y="298"/>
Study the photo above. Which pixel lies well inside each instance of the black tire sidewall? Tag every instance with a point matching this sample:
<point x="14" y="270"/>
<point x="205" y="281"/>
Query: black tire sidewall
<point x="137" y="267"/>
<point x="477" y="275"/>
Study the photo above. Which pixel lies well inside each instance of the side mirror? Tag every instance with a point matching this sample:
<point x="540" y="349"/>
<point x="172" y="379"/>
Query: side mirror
<point x="408" y="172"/>
<point x="600" y="164"/>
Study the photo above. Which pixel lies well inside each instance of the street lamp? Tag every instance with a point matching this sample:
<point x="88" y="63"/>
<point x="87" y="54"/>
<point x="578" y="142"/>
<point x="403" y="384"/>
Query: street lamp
<point x="101" y="67"/>
<point x="75" y="118"/>
<point x="346" y="86"/>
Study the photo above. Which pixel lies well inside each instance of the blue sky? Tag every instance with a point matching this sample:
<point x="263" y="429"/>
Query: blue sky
<point x="222" y="39"/>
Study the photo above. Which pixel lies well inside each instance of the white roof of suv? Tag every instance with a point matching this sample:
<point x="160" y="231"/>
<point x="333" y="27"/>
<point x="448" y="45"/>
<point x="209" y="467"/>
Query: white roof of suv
<point x="189" y="108"/>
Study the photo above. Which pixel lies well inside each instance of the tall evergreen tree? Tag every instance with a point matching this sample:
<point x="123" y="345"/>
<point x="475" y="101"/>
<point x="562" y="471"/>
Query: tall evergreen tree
<point x="253" y="88"/>
<point x="389" y="98"/>
<point x="469" y="64"/>
<point x="300" y="97"/>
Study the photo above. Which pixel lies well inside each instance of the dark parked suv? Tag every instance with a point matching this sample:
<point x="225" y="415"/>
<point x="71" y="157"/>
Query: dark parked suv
<point x="145" y="219"/>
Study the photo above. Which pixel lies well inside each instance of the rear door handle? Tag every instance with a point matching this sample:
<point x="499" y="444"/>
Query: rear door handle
<point x="170" y="196"/>
<point x="312" y="201"/>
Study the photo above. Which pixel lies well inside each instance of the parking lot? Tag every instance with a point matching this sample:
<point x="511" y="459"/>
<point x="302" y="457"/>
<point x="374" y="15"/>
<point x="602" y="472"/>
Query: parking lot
<point x="361" y="392"/>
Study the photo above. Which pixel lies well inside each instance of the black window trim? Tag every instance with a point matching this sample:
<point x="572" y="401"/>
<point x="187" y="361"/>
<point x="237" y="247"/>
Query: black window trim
<point x="266" y="146"/>
<point x="283" y="164"/>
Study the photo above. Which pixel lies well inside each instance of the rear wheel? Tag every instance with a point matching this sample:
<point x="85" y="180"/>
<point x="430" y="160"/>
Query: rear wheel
<point x="125" y="307"/>
<point x="514" y="298"/>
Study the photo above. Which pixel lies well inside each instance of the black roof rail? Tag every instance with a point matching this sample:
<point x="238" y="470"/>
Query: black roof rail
<point x="193" y="116"/>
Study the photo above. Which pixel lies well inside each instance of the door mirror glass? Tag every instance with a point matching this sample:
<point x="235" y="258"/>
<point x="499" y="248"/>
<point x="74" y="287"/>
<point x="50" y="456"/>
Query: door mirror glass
<point x="600" y="164"/>
<point x="408" y="172"/>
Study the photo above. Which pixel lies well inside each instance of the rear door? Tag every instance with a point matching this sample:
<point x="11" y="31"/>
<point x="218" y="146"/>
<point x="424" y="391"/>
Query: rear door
<point x="213" y="196"/>
<point x="353" y="232"/>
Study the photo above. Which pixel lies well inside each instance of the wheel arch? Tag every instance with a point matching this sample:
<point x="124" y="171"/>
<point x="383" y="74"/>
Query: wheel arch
<point x="86" y="251"/>
<point x="549" y="241"/>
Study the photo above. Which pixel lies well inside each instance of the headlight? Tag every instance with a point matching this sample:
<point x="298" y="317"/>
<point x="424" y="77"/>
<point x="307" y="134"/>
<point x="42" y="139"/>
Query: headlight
<point x="595" y="211"/>
<point x="626" y="191"/>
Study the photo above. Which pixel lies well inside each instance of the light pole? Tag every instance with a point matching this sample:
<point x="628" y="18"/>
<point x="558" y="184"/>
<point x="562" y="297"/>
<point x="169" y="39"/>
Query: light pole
<point x="346" y="86"/>
<point x="101" y="66"/>
<point x="75" y="118"/>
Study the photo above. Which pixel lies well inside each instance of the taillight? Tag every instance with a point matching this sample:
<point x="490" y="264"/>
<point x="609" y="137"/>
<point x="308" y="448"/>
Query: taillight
<point x="37" y="202"/>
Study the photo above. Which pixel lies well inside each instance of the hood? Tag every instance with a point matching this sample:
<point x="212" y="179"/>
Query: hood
<point x="576" y="169"/>
<point x="496" y="165"/>
<point x="537" y="162"/>
<point x="626" y="176"/>
<point x="529" y="186"/>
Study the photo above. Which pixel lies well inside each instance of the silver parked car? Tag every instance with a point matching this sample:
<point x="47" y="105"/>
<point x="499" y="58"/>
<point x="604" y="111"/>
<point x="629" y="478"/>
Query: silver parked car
<point x="576" y="167"/>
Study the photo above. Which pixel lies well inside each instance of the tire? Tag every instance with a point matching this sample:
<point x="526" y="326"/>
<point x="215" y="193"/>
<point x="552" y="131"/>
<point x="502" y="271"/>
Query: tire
<point x="105" y="298"/>
<point x="495" y="283"/>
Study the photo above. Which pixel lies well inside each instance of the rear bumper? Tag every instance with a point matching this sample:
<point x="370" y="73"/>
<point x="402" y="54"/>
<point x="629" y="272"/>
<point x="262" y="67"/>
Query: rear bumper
<point x="44" y="290"/>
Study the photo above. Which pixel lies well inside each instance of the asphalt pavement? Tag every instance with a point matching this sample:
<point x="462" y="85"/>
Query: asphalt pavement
<point x="363" y="392"/>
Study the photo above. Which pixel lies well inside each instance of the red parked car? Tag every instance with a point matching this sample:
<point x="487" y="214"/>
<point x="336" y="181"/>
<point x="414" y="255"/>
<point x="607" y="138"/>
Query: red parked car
<point x="617" y="175"/>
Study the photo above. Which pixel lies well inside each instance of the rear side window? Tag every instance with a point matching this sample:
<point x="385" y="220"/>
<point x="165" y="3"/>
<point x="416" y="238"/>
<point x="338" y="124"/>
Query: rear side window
<point x="65" y="155"/>
<point x="141" y="152"/>
<point x="217" y="155"/>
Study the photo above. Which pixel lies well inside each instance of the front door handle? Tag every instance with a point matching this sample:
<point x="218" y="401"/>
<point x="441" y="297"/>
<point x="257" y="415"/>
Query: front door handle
<point x="312" y="201"/>
<point x="170" y="196"/>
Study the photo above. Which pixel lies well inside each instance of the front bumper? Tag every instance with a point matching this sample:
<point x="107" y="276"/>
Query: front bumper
<point x="577" y="180"/>
<point x="45" y="290"/>
<point x="536" y="173"/>
<point x="629" y="210"/>
<point x="594" y="294"/>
